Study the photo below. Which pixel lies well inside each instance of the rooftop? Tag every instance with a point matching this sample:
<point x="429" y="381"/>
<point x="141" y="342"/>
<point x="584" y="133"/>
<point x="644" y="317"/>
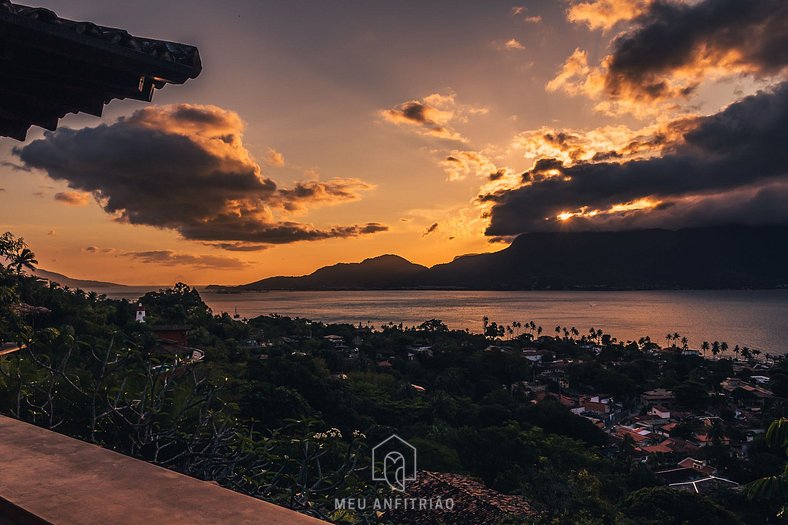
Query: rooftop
<point x="51" y="479"/>
<point x="473" y="502"/>
<point x="53" y="66"/>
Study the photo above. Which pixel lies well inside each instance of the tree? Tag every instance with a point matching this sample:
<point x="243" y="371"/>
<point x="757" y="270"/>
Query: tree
<point x="434" y="326"/>
<point x="25" y="259"/>
<point x="745" y="353"/>
<point x="666" y="506"/>
<point x="774" y="489"/>
<point x="16" y="252"/>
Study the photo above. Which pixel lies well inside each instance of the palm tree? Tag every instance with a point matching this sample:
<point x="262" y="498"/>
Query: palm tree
<point x="772" y="489"/>
<point x="723" y="347"/>
<point x="736" y="351"/>
<point x="745" y="353"/>
<point x="25" y="258"/>
<point x="715" y="348"/>
<point x="668" y="337"/>
<point x="705" y="347"/>
<point x="684" y="343"/>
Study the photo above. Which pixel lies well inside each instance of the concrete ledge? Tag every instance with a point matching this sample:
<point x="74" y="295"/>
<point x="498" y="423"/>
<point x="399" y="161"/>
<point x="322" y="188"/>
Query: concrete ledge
<point x="47" y="478"/>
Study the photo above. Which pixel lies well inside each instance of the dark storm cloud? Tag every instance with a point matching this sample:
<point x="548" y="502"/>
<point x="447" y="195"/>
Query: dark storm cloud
<point x="250" y="230"/>
<point x="742" y="36"/>
<point x="731" y="153"/>
<point x="185" y="168"/>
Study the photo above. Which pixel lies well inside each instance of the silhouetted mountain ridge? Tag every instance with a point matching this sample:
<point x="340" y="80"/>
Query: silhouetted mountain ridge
<point x="703" y="258"/>
<point x="71" y="282"/>
<point x="382" y="272"/>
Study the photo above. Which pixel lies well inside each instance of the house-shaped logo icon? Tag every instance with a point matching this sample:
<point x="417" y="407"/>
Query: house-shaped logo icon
<point x="394" y="461"/>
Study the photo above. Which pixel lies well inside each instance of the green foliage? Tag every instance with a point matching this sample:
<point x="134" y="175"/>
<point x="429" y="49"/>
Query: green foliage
<point x="773" y="490"/>
<point x="665" y="506"/>
<point x="277" y="411"/>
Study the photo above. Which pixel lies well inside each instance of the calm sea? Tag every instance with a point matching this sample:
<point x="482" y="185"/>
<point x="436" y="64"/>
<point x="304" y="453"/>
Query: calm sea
<point x="758" y="319"/>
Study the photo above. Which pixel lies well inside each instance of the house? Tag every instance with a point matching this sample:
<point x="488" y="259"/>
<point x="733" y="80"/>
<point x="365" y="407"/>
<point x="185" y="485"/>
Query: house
<point x="173" y="334"/>
<point x="703" y="439"/>
<point x="337" y="341"/>
<point x="597" y="404"/>
<point x="532" y="354"/>
<point x="700" y="466"/>
<point x="638" y="436"/>
<point x="498" y="348"/>
<point x="745" y="394"/>
<point x="658" y="396"/>
<point x="421" y="350"/>
<point x="660" y="412"/>
<point x="704" y="485"/>
<point x="671" y="446"/>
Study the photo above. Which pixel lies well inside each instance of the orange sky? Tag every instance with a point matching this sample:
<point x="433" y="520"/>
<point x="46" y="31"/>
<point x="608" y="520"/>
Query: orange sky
<point x="407" y="107"/>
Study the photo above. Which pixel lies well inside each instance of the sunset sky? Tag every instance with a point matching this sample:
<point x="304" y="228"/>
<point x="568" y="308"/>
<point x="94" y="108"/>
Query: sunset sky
<point x="321" y="132"/>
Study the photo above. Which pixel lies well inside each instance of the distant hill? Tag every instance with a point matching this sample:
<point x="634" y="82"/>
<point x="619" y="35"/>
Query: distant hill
<point x="702" y="258"/>
<point x="378" y="273"/>
<point x="62" y="280"/>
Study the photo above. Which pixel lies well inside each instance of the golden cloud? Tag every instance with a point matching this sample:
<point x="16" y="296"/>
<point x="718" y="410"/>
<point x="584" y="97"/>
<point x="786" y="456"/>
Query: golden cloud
<point x="432" y="116"/>
<point x="72" y="198"/>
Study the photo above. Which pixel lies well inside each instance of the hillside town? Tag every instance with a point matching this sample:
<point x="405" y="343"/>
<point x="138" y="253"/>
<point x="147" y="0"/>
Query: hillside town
<point x="518" y="425"/>
<point x="695" y="433"/>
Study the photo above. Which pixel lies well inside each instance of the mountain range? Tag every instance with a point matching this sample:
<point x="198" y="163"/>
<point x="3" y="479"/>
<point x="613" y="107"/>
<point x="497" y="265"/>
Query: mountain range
<point x="63" y="280"/>
<point x="698" y="258"/>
